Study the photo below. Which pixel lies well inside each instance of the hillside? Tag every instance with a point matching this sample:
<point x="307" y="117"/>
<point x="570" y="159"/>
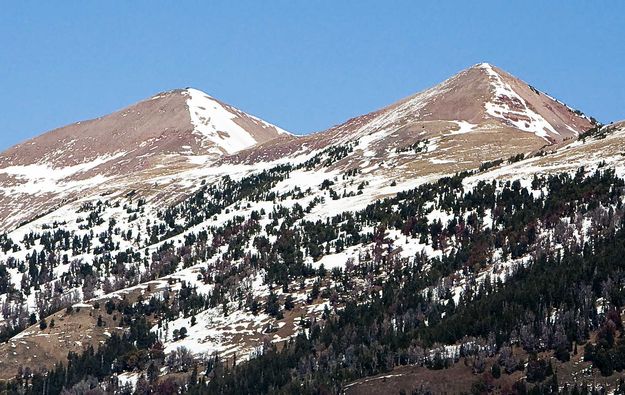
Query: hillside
<point x="181" y="242"/>
<point x="133" y="148"/>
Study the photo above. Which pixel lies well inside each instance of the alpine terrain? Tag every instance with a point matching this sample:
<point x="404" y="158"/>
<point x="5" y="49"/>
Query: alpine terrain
<point x="466" y="239"/>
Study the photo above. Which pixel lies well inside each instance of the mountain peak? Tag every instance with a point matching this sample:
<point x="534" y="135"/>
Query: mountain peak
<point x="481" y="106"/>
<point x="227" y="128"/>
<point x="489" y="68"/>
<point x="524" y="107"/>
<point x="482" y="65"/>
<point x="186" y="121"/>
<point x="479" y="95"/>
<point x="172" y="129"/>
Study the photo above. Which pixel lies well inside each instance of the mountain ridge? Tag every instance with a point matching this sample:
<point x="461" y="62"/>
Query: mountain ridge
<point x="166" y="131"/>
<point x="200" y="250"/>
<point x="183" y="131"/>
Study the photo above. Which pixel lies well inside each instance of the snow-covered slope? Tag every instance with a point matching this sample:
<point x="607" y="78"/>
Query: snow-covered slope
<point x="127" y="150"/>
<point x="509" y="106"/>
<point x="531" y="111"/>
<point x="224" y="127"/>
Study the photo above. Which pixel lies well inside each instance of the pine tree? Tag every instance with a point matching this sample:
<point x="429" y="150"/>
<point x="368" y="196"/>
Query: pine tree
<point x="272" y="308"/>
<point x="152" y="372"/>
<point x="194" y="375"/>
<point x="289" y="304"/>
<point x="496" y="370"/>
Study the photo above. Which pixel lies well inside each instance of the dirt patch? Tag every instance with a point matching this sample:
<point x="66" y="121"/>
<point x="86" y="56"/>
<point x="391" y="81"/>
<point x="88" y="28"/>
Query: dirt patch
<point x="40" y="349"/>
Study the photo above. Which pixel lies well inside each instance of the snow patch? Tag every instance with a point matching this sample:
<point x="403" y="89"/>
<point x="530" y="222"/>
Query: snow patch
<point x="519" y="114"/>
<point x="216" y="122"/>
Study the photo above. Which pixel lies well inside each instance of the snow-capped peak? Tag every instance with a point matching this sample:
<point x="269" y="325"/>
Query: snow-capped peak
<point x="214" y="122"/>
<point x="223" y="125"/>
<point x="484" y="65"/>
<point x="508" y="105"/>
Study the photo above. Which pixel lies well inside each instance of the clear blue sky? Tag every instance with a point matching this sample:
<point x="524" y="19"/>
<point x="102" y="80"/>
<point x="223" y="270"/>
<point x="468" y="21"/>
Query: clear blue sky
<point x="304" y="65"/>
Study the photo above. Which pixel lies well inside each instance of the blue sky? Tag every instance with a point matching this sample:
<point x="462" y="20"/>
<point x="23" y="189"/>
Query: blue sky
<point x="303" y="65"/>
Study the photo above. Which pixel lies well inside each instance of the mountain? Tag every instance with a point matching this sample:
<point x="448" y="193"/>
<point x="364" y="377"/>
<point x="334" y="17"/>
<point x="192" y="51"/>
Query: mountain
<point x="161" y="144"/>
<point x="478" y="115"/>
<point x="468" y="236"/>
<point x="125" y="150"/>
<point x="482" y="96"/>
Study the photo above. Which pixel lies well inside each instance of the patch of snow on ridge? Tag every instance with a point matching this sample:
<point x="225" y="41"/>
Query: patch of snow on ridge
<point x="463" y="127"/>
<point x="216" y="122"/>
<point x="524" y="119"/>
<point x="36" y="179"/>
